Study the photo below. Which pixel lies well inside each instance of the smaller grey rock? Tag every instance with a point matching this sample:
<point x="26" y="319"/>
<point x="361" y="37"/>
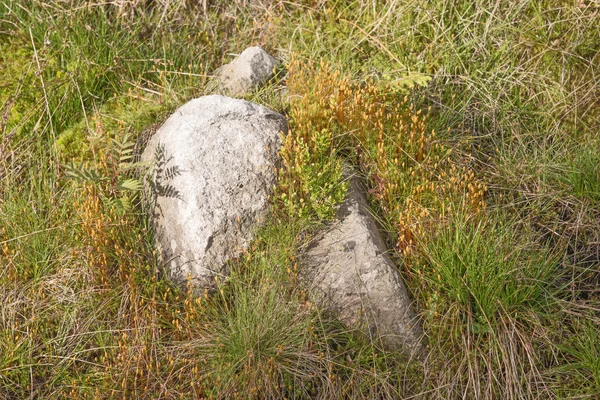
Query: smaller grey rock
<point x="251" y="69"/>
<point x="349" y="272"/>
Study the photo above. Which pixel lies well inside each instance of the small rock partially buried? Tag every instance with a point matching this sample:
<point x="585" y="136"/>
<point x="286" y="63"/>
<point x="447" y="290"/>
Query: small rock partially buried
<point x="251" y="69"/>
<point x="348" y="271"/>
<point x="215" y="163"/>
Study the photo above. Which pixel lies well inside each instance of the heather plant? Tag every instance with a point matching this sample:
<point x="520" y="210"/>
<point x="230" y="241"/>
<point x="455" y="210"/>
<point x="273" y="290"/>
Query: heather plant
<point x="311" y="180"/>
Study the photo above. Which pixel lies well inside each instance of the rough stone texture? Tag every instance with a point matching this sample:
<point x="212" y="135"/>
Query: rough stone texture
<point x="214" y="168"/>
<point x="251" y="69"/>
<point x="349" y="272"/>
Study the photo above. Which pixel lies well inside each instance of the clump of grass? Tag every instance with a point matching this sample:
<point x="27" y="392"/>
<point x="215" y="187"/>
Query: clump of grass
<point x="484" y="286"/>
<point x="257" y="337"/>
<point x="580" y="373"/>
<point x="484" y="271"/>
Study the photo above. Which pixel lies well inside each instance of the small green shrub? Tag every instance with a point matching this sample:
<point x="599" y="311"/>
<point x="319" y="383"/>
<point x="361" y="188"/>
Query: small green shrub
<point x="312" y="178"/>
<point x="72" y="143"/>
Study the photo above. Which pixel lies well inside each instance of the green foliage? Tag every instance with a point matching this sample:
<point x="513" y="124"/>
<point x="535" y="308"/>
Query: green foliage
<point x="18" y="88"/>
<point x="72" y="142"/>
<point x="315" y="172"/>
<point x="410" y="81"/>
<point x="261" y="342"/>
<point x="118" y="189"/>
<point x="82" y="173"/>
<point x="583" y="173"/>
<point x="580" y="372"/>
<point x="485" y="270"/>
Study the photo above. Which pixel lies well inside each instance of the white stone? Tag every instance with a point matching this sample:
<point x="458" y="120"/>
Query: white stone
<point x="214" y="169"/>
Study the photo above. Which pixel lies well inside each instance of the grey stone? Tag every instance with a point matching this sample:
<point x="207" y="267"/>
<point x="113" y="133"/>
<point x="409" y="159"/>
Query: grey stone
<point x="251" y="69"/>
<point x="215" y="163"/>
<point x="349" y="272"/>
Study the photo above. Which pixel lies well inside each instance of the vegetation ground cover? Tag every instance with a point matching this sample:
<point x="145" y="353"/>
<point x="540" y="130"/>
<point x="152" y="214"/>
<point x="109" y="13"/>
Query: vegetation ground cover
<point x="476" y="125"/>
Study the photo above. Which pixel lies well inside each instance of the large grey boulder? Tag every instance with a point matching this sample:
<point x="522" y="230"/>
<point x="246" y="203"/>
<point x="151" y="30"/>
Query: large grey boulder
<point x="214" y="169"/>
<point x="251" y="69"/>
<point x="349" y="272"/>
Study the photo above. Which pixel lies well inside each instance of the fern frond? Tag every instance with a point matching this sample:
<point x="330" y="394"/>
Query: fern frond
<point x="82" y="173"/>
<point x="134" y="185"/>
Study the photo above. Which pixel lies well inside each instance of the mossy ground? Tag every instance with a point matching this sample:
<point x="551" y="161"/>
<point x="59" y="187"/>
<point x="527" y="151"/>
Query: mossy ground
<point x="476" y="125"/>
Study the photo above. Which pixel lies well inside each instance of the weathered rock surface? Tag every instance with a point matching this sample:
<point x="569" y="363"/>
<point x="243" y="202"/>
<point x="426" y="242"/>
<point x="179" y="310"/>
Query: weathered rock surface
<point x="251" y="69"/>
<point x="215" y="167"/>
<point x="349" y="272"/>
